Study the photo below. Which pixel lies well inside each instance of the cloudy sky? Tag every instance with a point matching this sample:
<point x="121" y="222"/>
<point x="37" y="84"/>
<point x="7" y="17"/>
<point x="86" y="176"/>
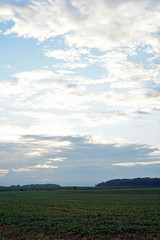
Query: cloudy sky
<point x="79" y="91"/>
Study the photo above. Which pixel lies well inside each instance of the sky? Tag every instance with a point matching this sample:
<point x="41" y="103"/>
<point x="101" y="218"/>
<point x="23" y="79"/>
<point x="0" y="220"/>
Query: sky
<point x="79" y="91"/>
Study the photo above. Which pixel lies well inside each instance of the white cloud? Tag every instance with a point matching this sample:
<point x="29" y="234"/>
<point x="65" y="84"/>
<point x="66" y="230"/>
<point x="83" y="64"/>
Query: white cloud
<point x="35" y="75"/>
<point x="122" y="73"/>
<point x="100" y="24"/>
<point x="155" y="154"/>
<point x="131" y="164"/>
<point x="20" y="123"/>
<point x="12" y="132"/>
<point x="134" y="99"/>
<point x="74" y="65"/>
<point x="63" y="72"/>
<point x="71" y="54"/>
<point x="31" y="168"/>
<point x="54" y="101"/>
<point x="43" y="166"/>
<point x="39" y="147"/>
<point x="47" y="180"/>
<point x="6" y="14"/>
<point x="44" y="89"/>
<point x="96" y="119"/>
<point x="123" y="23"/>
<point x="73" y="58"/>
<point x="47" y="123"/>
<point x="46" y="95"/>
<point x="57" y="159"/>
<point x="3" y="172"/>
<point x="42" y="20"/>
<point x="22" y="170"/>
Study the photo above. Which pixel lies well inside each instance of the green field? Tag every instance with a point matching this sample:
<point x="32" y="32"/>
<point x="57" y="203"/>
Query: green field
<point x="80" y="214"/>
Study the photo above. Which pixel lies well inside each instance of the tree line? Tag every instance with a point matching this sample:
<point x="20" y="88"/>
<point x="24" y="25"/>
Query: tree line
<point x="135" y="182"/>
<point x="30" y="187"/>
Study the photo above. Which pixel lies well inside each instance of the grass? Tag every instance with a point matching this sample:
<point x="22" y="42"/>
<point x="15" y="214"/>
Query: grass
<point x="81" y="214"/>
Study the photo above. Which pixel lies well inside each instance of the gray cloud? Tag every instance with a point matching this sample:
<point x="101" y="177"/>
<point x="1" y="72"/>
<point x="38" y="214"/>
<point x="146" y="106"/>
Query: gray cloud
<point x="83" y="159"/>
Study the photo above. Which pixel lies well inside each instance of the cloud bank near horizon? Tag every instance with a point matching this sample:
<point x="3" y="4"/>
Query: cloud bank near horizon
<point x="61" y="158"/>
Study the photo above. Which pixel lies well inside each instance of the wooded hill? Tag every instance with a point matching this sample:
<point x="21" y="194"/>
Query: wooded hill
<point x="135" y="182"/>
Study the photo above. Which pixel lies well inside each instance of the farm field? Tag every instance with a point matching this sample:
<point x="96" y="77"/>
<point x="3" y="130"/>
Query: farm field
<point x="80" y="214"/>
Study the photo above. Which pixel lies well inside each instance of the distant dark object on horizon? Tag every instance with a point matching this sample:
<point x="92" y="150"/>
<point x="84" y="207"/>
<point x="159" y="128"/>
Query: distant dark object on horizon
<point x="47" y="186"/>
<point x="135" y="182"/>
